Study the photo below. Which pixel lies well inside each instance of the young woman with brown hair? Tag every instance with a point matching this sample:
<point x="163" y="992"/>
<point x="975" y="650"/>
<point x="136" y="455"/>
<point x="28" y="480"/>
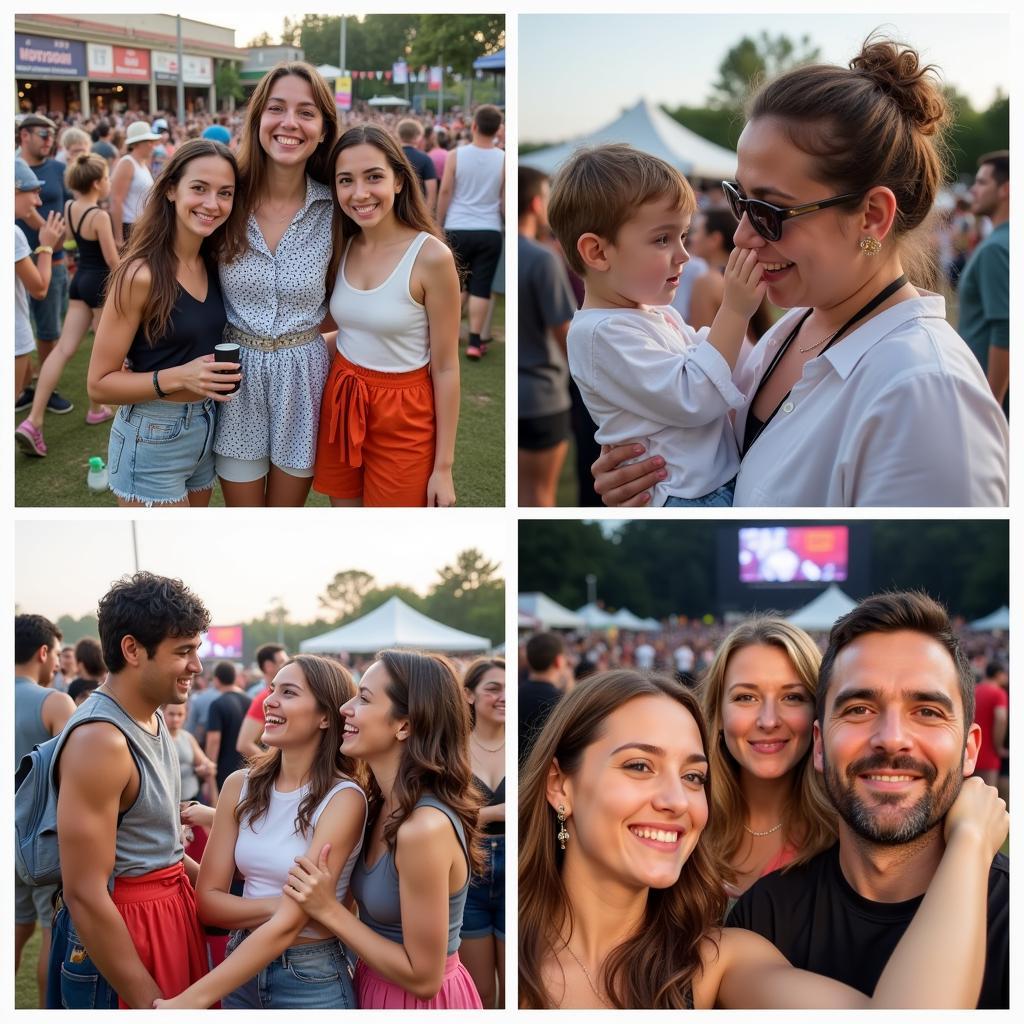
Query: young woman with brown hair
<point x="620" y="902"/>
<point x="302" y="795"/>
<point x="769" y="808"/>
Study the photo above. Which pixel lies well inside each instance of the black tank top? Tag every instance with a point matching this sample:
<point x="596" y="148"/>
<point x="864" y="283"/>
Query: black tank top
<point x="192" y="331"/>
<point x="90" y="254"/>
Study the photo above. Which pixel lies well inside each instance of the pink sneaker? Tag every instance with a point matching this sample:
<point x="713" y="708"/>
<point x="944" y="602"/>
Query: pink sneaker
<point x="93" y="419"/>
<point x="473" y="352"/>
<point x="30" y="438"/>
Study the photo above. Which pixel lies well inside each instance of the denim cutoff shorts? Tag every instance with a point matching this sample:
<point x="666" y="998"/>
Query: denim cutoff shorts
<point x="720" y="497"/>
<point x="159" y="452"/>
<point x="485" y="902"/>
<point x="313" y="977"/>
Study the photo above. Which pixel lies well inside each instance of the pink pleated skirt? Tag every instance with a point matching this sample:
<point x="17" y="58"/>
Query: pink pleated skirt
<point x="457" y="990"/>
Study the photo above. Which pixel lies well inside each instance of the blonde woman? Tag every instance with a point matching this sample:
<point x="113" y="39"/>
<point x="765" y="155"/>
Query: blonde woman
<point x="769" y="807"/>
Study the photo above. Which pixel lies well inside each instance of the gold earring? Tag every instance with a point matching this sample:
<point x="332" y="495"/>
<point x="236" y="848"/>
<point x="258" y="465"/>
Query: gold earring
<point x="870" y="246"/>
<point x="562" y="832"/>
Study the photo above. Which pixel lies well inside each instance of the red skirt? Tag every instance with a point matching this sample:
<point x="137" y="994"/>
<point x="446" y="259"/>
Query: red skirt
<point x="160" y="912"/>
<point x="457" y="990"/>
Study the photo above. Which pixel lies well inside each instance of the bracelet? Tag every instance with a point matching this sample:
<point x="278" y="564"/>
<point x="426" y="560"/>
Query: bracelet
<point x="39" y="249"/>
<point x="156" y="385"/>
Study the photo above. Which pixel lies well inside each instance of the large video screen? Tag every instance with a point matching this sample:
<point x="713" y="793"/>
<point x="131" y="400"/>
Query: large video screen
<point x="793" y="554"/>
<point x="221" y="642"/>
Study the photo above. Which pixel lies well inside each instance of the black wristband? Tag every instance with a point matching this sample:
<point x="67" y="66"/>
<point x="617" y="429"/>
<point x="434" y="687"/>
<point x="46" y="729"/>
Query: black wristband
<point x="156" y="385"/>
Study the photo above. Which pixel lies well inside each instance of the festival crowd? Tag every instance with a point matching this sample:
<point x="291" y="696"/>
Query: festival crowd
<point x="276" y="294"/>
<point x="325" y="838"/>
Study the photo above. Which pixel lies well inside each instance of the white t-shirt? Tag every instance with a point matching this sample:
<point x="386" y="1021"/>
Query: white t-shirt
<point x="647" y="377"/>
<point x="684" y="658"/>
<point x="644" y="656"/>
<point x="24" y="339"/>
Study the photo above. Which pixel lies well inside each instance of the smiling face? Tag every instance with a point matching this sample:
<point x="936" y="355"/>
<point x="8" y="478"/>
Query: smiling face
<point x="767" y="712"/>
<point x="366" y="184"/>
<point x="891" y="743"/>
<point x="36" y="144"/>
<point x="166" y="677"/>
<point x="291" y="714"/>
<point x="291" y="125"/>
<point x="203" y="195"/>
<point x="25" y="202"/>
<point x="813" y="263"/>
<point x="637" y="804"/>
<point x="647" y="256"/>
<point x="488" y="698"/>
<point x="369" y="727"/>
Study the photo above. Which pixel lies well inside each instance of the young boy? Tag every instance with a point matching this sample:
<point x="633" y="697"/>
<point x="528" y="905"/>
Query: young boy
<point x="621" y="217"/>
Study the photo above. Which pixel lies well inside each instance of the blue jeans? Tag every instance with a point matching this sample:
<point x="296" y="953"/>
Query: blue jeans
<point x="160" y="452"/>
<point x="48" y="312"/>
<point x="312" y="977"/>
<point x="721" y="497"/>
<point x="485" y="902"/>
<point x="73" y="981"/>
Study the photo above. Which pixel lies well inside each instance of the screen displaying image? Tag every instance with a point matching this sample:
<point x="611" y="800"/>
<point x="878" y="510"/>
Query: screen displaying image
<point x="793" y="554"/>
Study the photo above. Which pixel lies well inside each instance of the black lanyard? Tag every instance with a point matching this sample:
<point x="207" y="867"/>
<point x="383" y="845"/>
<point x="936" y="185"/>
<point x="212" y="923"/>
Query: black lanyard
<point x="750" y="437"/>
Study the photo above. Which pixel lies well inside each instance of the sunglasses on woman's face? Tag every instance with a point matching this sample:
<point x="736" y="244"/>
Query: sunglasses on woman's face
<point x="766" y="218"/>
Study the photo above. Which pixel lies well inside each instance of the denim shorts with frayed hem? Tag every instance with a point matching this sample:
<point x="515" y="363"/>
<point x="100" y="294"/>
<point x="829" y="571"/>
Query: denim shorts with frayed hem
<point x="160" y="452"/>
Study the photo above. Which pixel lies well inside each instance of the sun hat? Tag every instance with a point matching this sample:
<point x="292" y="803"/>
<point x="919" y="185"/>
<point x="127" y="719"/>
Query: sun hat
<point x="139" y="131"/>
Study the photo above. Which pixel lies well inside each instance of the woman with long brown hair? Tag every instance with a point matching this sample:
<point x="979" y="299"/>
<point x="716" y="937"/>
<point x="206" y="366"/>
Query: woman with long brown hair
<point x="274" y="292"/>
<point x="391" y="404"/>
<point x="163" y="316"/>
<point x="301" y="795"/>
<point x="769" y="808"/>
<point x="410" y="723"/>
<point x="620" y="901"/>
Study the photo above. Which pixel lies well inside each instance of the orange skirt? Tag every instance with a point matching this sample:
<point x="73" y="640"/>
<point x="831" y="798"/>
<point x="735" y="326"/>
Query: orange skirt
<point x="376" y="435"/>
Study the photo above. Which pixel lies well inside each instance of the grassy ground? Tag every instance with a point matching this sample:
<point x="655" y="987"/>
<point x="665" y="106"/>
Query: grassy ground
<point x="59" y="479"/>
<point x="26" y="994"/>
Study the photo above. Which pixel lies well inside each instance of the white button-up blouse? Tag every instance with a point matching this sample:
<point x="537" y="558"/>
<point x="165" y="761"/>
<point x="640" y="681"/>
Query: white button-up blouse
<point x="897" y="413"/>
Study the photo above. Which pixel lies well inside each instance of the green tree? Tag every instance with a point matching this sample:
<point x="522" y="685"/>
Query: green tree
<point x="457" y="39"/>
<point x="228" y="81"/>
<point x="345" y="593"/>
<point x="752" y="60"/>
<point x="263" y="39"/>
<point x="470" y="595"/>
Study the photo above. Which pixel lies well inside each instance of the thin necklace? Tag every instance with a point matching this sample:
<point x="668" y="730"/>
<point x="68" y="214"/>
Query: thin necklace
<point x="818" y="344"/>
<point x="590" y="980"/>
<point x="490" y="750"/>
<point x="768" y="832"/>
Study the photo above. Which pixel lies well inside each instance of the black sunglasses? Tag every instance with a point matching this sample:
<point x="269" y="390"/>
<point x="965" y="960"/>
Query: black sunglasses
<point x="43" y="133"/>
<point x="766" y="218"/>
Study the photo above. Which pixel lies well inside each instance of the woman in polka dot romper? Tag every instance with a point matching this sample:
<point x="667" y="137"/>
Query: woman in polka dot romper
<point x="275" y="294"/>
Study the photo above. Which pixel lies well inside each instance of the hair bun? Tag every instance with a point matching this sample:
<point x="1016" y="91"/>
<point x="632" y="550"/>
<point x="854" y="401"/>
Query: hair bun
<point x="896" y="69"/>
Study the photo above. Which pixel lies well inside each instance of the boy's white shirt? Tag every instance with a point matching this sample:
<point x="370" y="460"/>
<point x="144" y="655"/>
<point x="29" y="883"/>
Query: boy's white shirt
<point x="648" y="377"/>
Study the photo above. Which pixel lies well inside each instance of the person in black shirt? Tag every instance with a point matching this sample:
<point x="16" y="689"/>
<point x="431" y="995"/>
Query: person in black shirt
<point x="894" y="742"/>
<point x="225" y="719"/>
<point x="545" y="655"/>
<point x="410" y="133"/>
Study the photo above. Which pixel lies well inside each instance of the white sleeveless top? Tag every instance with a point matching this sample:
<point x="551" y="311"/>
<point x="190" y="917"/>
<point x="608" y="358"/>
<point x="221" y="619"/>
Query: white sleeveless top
<point x="383" y="328"/>
<point x="142" y="182"/>
<point x="476" y="201"/>
<point x="265" y="850"/>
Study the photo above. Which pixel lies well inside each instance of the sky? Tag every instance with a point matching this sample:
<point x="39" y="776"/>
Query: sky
<point x="596" y="66"/>
<point x="64" y="567"/>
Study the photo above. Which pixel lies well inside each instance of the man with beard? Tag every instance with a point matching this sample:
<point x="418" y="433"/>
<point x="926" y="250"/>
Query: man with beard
<point x="894" y="740"/>
<point x="127" y="930"/>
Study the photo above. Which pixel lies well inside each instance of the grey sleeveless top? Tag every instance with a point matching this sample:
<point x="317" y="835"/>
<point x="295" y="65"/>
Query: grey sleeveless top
<point x="376" y="889"/>
<point x="29" y="730"/>
<point x="186" y="765"/>
<point x="149" y="832"/>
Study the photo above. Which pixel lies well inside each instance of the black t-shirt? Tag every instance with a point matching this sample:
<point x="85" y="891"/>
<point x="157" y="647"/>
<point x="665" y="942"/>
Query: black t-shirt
<point x="226" y="715"/>
<point x="422" y="165"/>
<point x="820" y="923"/>
<point x="536" y="699"/>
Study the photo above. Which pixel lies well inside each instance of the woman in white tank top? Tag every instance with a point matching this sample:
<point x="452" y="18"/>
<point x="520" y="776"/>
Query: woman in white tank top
<point x="391" y="404"/>
<point x="296" y="799"/>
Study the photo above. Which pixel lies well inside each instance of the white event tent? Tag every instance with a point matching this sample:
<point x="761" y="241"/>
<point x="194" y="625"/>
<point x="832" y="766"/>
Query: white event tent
<point x="823" y="611"/>
<point x="595" y="617"/>
<point x="394" y="624"/>
<point x="646" y="127"/>
<point x="999" y="620"/>
<point x="550" y="614"/>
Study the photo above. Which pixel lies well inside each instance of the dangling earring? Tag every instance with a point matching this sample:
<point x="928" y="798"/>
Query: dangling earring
<point x="870" y="246"/>
<point x="562" y="832"/>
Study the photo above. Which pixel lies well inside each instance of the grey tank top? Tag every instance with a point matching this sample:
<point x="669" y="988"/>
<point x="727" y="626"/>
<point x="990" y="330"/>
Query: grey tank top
<point x="186" y="766"/>
<point x="29" y="730"/>
<point x="376" y="888"/>
<point x="149" y="832"/>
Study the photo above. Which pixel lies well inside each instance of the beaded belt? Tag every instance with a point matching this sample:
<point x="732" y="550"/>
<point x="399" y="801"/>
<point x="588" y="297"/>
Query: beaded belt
<point x="294" y="340"/>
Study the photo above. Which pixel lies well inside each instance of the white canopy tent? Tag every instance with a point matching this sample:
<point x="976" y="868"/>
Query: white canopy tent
<point x="997" y="620"/>
<point x="823" y="611"/>
<point x="625" y="619"/>
<point x="595" y="617"/>
<point x="329" y="71"/>
<point x="394" y="624"/>
<point x="652" y="625"/>
<point x="647" y="127"/>
<point x="550" y="614"/>
<point x="387" y="101"/>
